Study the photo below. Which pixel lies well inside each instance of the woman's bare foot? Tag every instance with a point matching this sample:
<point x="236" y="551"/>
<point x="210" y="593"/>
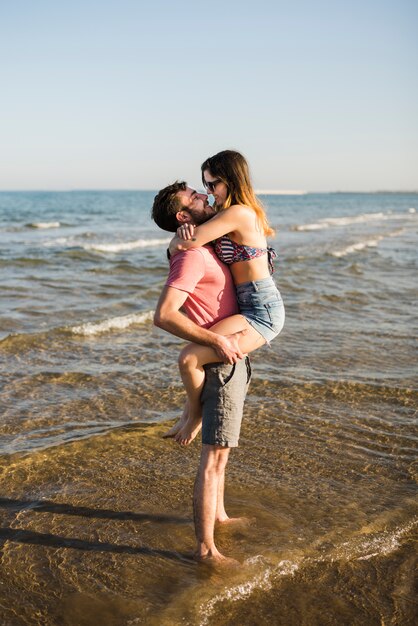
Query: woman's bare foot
<point x="172" y="432"/>
<point x="189" y="431"/>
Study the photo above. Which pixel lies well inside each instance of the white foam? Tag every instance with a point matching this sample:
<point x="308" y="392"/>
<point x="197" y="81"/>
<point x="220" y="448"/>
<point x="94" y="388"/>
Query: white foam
<point x="314" y="226"/>
<point x="380" y="543"/>
<point x="361" y="245"/>
<point x="347" y="221"/>
<point x="356" y="247"/>
<point x="114" y="323"/>
<point x="263" y="580"/>
<point x="360" y="548"/>
<point x="128" y="245"/>
<point x="59" y="241"/>
<point x="357" y="219"/>
<point x="45" y="225"/>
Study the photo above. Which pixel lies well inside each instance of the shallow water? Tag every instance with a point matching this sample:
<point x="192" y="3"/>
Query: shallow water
<point x="95" y="508"/>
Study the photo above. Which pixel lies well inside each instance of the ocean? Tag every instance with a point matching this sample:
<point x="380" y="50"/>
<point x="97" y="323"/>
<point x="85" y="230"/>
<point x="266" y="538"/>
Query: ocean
<point x="96" y="517"/>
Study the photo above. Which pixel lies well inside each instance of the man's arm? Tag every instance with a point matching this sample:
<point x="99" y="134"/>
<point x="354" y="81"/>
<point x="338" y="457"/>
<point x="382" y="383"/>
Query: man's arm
<point x="169" y="317"/>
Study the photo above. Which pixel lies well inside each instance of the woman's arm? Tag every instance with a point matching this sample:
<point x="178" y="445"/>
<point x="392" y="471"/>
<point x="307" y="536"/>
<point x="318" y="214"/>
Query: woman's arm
<point x="234" y="218"/>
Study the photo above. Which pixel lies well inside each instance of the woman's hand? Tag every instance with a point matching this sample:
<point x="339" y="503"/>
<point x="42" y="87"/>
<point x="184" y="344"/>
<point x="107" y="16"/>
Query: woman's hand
<point x="175" y="245"/>
<point x="186" y="231"/>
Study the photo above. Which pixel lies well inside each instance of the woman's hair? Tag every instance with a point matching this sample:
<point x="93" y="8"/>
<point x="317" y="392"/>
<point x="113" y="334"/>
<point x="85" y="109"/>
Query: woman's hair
<point x="232" y="169"/>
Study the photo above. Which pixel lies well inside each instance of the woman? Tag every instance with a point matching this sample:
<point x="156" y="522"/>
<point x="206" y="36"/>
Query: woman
<point x="238" y="233"/>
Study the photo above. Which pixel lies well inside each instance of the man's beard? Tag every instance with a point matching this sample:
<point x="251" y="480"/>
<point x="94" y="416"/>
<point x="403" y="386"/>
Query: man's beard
<point x="201" y="219"/>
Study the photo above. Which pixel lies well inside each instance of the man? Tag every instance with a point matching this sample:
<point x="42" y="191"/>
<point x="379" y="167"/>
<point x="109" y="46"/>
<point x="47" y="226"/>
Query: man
<point x="202" y="286"/>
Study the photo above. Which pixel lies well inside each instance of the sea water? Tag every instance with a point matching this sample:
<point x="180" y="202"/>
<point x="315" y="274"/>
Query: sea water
<point x="96" y="519"/>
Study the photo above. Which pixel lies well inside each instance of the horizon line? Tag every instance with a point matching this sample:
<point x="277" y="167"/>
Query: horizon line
<point x="261" y="192"/>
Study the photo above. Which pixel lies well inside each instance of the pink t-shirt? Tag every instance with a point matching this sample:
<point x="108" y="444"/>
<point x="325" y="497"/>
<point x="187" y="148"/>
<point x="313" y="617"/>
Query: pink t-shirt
<point x="208" y="282"/>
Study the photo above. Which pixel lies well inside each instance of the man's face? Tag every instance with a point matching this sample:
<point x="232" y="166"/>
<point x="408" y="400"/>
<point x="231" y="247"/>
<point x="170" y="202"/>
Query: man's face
<point x="195" y="206"/>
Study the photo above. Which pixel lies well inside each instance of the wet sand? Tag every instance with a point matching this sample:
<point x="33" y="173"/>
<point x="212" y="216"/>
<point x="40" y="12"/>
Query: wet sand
<point x="100" y="530"/>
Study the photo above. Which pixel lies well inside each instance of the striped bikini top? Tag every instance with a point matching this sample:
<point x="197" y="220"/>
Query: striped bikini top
<point x="230" y="252"/>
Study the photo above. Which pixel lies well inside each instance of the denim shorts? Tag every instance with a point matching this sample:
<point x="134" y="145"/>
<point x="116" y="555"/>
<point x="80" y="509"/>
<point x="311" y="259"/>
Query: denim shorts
<point x="222" y="401"/>
<point x="262" y="306"/>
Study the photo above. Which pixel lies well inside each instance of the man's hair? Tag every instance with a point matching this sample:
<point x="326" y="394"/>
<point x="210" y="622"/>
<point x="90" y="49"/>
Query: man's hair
<point x="166" y="205"/>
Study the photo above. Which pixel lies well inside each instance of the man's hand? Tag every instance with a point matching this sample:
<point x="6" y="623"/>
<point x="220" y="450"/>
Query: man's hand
<point x="227" y="347"/>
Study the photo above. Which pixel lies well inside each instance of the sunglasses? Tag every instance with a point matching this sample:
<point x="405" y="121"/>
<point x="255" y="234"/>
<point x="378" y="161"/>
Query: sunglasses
<point x="211" y="185"/>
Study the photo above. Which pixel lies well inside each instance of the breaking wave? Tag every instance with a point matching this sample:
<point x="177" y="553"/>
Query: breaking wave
<point x="128" y="245"/>
<point x="357" y="247"/>
<point x="72" y="242"/>
<point x="114" y="323"/>
<point x="44" y="225"/>
<point x="329" y="222"/>
<point x="361" y="245"/>
<point x="19" y="341"/>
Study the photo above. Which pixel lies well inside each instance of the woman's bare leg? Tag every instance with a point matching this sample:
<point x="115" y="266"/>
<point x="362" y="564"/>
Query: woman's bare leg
<point x="194" y="357"/>
<point x="193" y="377"/>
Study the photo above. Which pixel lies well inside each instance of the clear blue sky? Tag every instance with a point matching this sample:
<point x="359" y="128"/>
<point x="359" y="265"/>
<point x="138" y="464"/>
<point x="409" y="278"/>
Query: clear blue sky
<point x="131" y="94"/>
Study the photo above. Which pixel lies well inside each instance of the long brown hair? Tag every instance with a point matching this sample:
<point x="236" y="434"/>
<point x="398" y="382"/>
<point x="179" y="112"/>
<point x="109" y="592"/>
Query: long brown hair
<point x="232" y="169"/>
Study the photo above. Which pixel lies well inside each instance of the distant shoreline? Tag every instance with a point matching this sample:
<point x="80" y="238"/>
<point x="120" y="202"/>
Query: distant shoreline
<point x="280" y="192"/>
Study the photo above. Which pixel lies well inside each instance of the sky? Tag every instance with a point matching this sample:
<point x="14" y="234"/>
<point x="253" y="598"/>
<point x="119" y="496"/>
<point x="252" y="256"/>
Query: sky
<point x="124" y="94"/>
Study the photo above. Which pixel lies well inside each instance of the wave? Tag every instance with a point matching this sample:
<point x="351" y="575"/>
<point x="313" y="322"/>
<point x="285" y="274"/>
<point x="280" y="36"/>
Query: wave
<point x="44" y="225"/>
<point x="328" y="222"/>
<point x="59" y="241"/>
<point x="17" y="341"/>
<point x="114" y="323"/>
<point x="361" y="245"/>
<point x="380" y="543"/>
<point x="361" y="548"/>
<point x="128" y="245"/>
<point x="72" y="242"/>
<point x="263" y="581"/>
<point x="356" y="247"/>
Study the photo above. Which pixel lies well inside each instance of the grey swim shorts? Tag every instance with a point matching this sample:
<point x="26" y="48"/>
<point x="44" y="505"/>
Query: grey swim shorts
<point x="222" y="402"/>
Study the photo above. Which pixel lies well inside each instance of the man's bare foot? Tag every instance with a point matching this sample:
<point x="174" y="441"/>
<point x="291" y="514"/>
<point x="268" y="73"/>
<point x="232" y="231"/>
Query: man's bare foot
<point x="216" y="560"/>
<point x="239" y="522"/>
<point x="189" y="431"/>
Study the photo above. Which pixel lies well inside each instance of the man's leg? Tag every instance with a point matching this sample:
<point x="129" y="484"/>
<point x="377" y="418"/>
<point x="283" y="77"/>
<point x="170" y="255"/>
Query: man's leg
<point x="208" y="483"/>
<point x="222" y="403"/>
<point x="221" y="514"/>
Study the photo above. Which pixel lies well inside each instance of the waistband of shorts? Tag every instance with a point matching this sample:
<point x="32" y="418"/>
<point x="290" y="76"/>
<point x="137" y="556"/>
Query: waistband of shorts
<point x="256" y="284"/>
